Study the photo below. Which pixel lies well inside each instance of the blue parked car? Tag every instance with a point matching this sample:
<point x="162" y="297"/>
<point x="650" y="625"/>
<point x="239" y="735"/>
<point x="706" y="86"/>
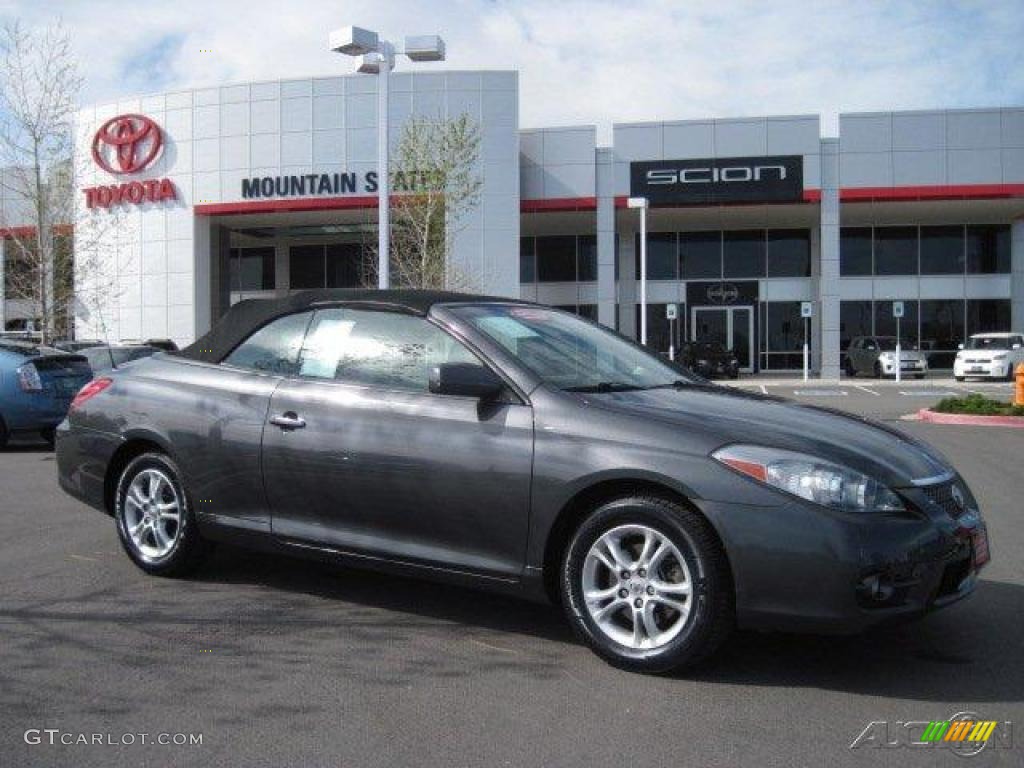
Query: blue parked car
<point x="37" y="385"/>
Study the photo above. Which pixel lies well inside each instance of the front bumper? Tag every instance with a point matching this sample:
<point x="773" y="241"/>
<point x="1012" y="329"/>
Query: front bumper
<point x="799" y="567"/>
<point x="912" y="367"/>
<point x="995" y="369"/>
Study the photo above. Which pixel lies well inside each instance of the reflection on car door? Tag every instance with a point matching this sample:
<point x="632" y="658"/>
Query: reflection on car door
<point x="359" y="456"/>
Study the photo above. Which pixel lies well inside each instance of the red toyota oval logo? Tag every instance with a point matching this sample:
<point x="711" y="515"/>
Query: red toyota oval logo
<point x="127" y="144"/>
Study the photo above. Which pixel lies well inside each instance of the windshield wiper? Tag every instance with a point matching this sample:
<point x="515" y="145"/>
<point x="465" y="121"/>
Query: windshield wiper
<point x="677" y="384"/>
<point x="604" y="386"/>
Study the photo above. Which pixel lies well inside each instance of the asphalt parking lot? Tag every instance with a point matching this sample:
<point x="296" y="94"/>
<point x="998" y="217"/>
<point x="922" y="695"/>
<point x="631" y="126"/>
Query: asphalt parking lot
<point x="280" y="662"/>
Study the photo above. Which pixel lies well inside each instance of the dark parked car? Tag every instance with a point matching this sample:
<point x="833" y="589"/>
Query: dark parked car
<point x="519" y="448"/>
<point x="77" y="345"/>
<point x="709" y="359"/>
<point x="37" y="384"/>
<point x="104" y="358"/>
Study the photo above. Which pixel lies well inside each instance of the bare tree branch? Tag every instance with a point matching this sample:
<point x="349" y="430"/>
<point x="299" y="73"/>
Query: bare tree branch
<point x="436" y="178"/>
<point x="39" y="88"/>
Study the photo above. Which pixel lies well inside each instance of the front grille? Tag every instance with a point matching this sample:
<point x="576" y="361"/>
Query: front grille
<point x="976" y="362"/>
<point x="942" y="496"/>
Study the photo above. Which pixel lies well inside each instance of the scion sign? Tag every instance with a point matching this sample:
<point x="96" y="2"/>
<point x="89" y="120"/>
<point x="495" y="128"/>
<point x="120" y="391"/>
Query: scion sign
<point x="719" y="180"/>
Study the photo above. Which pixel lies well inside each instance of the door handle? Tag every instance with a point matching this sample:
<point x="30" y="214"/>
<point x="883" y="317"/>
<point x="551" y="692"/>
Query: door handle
<point x="288" y="420"/>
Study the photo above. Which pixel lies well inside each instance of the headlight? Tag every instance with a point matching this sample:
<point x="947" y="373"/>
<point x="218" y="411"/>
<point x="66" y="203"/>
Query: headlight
<point x="810" y="478"/>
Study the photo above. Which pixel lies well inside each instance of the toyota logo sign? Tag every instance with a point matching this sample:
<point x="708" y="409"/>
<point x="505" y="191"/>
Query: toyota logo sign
<point x="127" y="144"/>
<point x="723" y="293"/>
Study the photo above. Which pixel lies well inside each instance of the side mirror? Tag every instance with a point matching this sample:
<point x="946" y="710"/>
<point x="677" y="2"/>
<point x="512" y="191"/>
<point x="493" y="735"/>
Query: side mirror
<point x="959" y="346"/>
<point x="465" y="380"/>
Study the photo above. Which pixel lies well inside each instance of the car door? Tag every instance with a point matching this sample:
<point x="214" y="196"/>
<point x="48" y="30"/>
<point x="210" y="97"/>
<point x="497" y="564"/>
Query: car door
<point x="359" y="456"/>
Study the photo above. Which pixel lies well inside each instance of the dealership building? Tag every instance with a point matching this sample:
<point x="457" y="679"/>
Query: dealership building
<point x="259" y="189"/>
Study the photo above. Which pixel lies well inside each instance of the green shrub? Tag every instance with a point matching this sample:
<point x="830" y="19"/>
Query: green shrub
<point x="978" y="405"/>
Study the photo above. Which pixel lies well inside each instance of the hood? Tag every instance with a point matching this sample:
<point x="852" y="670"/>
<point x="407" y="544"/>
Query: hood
<point x="710" y="416"/>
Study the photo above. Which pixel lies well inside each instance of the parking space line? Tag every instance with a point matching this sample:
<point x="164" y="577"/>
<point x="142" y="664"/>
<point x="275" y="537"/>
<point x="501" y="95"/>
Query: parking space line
<point x="869" y="391"/>
<point x="926" y="393"/>
<point x="821" y="392"/>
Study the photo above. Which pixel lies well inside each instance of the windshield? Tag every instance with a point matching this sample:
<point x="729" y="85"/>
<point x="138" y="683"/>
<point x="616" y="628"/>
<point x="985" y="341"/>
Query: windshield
<point x="889" y="345"/>
<point x="988" y="342"/>
<point x="569" y="353"/>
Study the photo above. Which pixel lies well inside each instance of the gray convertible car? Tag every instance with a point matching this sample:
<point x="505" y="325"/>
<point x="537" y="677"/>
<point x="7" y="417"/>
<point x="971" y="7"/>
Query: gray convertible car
<point x="514" y="447"/>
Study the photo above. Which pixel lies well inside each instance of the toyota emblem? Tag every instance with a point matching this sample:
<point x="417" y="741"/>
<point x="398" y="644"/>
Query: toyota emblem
<point x="127" y="144"/>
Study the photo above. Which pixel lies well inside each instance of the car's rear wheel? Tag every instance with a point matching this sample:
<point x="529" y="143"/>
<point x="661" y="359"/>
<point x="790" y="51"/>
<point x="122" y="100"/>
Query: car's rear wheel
<point x="878" y="371"/>
<point x="646" y="584"/>
<point x="3" y="434"/>
<point x="49" y="436"/>
<point x="850" y="371"/>
<point x="154" y="518"/>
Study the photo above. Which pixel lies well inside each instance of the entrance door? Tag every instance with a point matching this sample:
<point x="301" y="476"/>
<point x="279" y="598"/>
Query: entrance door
<point x="732" y="327"/>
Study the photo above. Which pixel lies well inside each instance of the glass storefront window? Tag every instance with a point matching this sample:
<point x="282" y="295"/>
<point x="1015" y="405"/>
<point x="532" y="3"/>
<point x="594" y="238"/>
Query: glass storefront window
<point x="588" y="311"/>
<point x="988" y="315"/>
<point x="556" y="259"/>
<point x="527" y="261"/>
<point x="855" y="252"/>
<point x="662" y="256"/>
<point x="942" y="329"/>
<point x="885" y="323"/>
<point x="306" y="267"/>
<point x="658" y="333"/>
<point x="988" y="250"/>
<point x="345" y="265"/>
<point x="700" y="255"/>
<point x="587" y="254"/>
<point x="252" y="269"/>
<point x="743" y="253"/>
<point x="854" y="321"/>
<point x="789" y="253"/>
<point x="942" y="250"/>
<point x="896" y="250"/>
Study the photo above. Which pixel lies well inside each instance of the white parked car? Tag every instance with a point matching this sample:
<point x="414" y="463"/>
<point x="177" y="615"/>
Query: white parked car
<point x="989" y="355"/>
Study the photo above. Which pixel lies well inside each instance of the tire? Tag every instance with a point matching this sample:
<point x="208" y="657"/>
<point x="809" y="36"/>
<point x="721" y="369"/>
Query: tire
<point x="959" y="378"/>
<point x="878" y="371"/>
<point x="693" y="555"/>
<point x="4" y="435"/>
<point x="734" y="375"/>
<point x="150" y="550"/>
<point x="919" y="376"/>
<point x="1009" y="373"/>
<point x="850" y="370"/>
<point x="49" y="436"/>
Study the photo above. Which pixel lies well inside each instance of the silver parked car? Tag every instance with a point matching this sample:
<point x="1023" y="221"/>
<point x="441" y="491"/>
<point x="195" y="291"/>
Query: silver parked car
<point x="876" y="355"/>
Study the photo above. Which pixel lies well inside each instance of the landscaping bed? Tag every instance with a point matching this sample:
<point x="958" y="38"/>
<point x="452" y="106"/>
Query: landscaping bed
<point x="975" y="410"/>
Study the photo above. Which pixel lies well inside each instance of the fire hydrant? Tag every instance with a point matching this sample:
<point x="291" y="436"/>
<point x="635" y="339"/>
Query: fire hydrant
<point x="1018" y="390"/>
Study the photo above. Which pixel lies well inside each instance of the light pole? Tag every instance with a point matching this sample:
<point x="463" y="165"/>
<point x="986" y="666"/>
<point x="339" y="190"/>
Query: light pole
<point x="641" y="203"/>
<point x="377" y="56"/>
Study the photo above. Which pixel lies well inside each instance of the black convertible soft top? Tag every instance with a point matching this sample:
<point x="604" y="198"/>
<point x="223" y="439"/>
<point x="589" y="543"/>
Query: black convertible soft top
<point x="250" y="314"/>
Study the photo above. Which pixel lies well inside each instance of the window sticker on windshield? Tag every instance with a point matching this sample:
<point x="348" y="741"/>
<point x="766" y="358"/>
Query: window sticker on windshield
<point x="507" y="327"/>
<point x="325" y="346"/>
<point x="528" y="313"/>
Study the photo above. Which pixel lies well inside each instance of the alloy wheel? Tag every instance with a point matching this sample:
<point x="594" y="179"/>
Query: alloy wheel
<point x="152" y="514"/>
<point x="637" y="587"/>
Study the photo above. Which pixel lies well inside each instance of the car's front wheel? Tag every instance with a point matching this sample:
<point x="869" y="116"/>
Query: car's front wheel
<point x="646" y="584"/>
<point x="154" y="519"/>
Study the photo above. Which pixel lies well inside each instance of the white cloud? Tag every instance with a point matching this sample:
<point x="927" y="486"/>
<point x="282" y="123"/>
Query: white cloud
<point x="585" y="62"/>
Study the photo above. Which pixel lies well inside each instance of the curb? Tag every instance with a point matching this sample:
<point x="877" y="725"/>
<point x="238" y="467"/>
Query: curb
<point x="964" y="419"/>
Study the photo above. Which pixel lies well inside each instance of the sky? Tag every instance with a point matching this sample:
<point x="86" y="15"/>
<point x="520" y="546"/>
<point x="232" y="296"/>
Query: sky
<point x="592" y="62"/>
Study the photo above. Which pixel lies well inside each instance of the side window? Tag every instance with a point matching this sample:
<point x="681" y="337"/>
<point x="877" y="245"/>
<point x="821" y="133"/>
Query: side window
<point x="379" y="349"/>
<point x="275" y="347"/>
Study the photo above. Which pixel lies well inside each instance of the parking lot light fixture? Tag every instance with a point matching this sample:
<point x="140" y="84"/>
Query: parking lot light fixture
<point x="377" y="57"/>
<point x="641" y="203"/>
